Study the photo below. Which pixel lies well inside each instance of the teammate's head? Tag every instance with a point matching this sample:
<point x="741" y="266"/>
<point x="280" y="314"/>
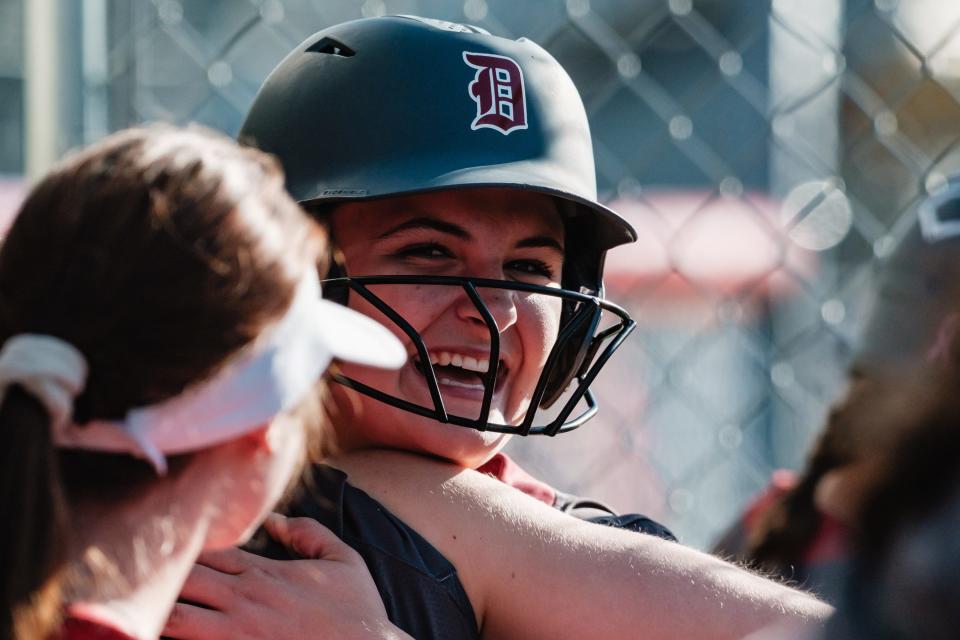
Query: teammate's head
<point x="443" y="132"/>
<point x="911" y="332"/>
<point x="152" y="290"/>
<point x="905" y="557"/>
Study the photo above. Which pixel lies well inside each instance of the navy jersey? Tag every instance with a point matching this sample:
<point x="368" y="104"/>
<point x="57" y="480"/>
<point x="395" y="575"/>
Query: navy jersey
<point x="419" y="586"/>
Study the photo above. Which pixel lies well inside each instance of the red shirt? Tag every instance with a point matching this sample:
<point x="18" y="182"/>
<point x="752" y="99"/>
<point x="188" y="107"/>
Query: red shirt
<point x="82" y="623"/>
<point x="830" y="542"/>
<point x="509" y="472"/>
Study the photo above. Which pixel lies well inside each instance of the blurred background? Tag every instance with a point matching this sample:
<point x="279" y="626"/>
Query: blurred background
<point x="769" y="153"/>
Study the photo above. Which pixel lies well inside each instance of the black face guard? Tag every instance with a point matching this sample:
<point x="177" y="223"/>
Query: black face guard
<point x="581" y="349"/>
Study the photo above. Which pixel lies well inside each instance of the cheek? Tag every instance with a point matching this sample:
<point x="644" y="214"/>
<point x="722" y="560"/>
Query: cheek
<point x="538" y="330"/>
<point x="416" y="304"/>
<point x="287" y="440"/>
<point x="538" y="325"/>
<point x="282" y="458"/>
<point x="255" y="479"/>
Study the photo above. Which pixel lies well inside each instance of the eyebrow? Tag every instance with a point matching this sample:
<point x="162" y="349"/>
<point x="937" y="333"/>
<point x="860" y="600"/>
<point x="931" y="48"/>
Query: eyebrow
<point x="426" y="222"/>
<point x="536" y="242"/>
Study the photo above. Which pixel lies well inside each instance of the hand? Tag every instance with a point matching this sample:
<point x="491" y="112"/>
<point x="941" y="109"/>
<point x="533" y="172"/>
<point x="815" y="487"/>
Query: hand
<point x="239" y="595"/>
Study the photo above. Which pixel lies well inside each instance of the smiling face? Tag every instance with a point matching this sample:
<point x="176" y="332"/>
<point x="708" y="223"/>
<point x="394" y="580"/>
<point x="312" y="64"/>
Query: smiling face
<point x="497" y="234"/>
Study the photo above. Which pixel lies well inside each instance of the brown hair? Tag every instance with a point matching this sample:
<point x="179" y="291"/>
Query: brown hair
<point x="902" y="579"/>
<point x="857" y="428"/>
<point x="157" y="253"/>
<point x="922" y="472"/>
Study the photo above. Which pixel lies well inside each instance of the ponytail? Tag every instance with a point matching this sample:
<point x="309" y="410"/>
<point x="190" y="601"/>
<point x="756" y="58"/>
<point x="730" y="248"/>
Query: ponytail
<point x="790" y="525"/>
<point x="785" y="532"/>
<point x="33" y="538"/>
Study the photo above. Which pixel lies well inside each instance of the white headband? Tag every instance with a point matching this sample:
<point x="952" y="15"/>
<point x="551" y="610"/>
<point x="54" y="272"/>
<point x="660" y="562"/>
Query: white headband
<point x="49" y="369"/>
<point x="269" y="377"/>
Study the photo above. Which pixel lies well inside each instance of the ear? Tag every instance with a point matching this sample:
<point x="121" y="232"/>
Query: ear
<point x="343" y="402"/>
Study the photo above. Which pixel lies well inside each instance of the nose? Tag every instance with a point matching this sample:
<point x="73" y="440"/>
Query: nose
<point x="500" y="303"/>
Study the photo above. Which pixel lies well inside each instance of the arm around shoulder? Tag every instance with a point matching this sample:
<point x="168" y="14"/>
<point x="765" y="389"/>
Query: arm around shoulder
<point x="533" y="572"/>
<point x="559" y="577"/>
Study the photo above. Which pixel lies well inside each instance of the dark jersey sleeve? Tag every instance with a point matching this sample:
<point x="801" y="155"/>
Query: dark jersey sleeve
<point x="419" y="586"/>
<point x="599" y="513"/>
<point x="506" y="470"/>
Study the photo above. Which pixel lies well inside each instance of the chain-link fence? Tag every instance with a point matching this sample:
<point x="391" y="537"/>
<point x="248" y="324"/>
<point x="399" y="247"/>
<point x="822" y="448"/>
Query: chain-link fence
<point x="769" y="154"/>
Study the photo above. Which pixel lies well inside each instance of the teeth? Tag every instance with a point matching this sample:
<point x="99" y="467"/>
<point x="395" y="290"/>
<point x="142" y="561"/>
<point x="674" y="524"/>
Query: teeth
<point x="457" y="383"/>
<point x="445" y="358"/>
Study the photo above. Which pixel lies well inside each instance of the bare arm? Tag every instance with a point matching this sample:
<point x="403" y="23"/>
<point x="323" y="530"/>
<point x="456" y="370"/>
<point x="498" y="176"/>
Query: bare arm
<point x="533" y="572"/>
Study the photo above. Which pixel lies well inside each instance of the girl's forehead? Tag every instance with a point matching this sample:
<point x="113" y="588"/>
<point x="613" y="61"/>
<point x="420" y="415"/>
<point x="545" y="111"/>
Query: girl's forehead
<point x="506" y="210"/>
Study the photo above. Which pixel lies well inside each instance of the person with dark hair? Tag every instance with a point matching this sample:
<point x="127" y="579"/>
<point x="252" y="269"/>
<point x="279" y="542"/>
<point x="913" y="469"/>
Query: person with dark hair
<point x="455" y="173"/>
<point x="905" y="555"/>
<point x="162" y="340"/>
<point x="900" y="583"/>
<point x="800" y="530"/>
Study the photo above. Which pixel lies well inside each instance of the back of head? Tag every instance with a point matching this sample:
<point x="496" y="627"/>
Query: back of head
<point x="157" y="254"/>
<point x="906" y="554"/>
<point x="910" y="331"/>
<point x="903" y="582"/>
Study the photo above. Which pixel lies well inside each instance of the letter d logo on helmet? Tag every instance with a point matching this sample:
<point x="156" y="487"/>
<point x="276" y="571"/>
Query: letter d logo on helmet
<point x="498" y="92"/>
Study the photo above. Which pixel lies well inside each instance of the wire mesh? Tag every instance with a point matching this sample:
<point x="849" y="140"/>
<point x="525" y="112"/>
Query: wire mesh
<point x="769" y="153"/>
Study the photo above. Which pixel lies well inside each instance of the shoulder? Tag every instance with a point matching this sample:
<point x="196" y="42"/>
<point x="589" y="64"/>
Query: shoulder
<point x="463" y="513"/>
<point x="388" y="471"/>
<point x="434" y="494"/>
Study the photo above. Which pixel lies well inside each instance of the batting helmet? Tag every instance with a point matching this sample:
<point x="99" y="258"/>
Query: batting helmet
<point x="397" y="105"/>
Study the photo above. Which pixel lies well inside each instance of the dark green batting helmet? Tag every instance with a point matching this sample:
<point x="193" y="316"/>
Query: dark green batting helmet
<point x="402" y="105"/>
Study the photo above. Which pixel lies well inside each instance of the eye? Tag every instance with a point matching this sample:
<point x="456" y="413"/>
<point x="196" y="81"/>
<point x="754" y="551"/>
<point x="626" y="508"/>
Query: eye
<point x="532" y="267"/>
<point x="427" y="250"/>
